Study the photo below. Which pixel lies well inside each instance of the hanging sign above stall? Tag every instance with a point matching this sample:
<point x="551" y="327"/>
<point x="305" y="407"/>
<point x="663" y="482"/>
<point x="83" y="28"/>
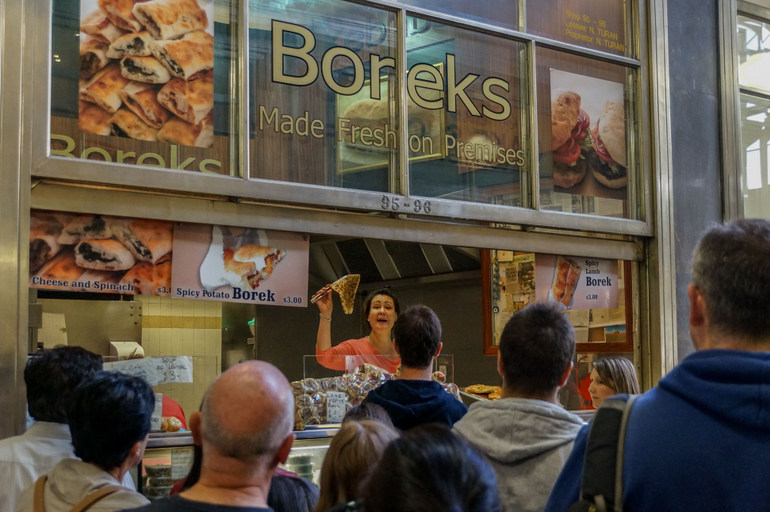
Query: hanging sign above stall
<point x="104" y="254"/>
<point x="578" y="283"/>
<point x="241" y="265"/>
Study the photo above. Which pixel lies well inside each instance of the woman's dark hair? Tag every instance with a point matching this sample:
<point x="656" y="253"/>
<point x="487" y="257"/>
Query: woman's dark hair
<point x="292" y="494"/>
<point x="108" y="413"/>
<point x="52" y="376"/>
<point x="430" y="469"/>
<point x="368" y="411"/>
<point x="382" y="291"/>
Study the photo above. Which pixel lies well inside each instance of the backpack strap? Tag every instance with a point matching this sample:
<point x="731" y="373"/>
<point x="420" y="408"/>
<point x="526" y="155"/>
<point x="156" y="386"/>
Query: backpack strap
<point x="39" y="491"/>
<point x="95" y="496"/>
<point x="602" y="484"/>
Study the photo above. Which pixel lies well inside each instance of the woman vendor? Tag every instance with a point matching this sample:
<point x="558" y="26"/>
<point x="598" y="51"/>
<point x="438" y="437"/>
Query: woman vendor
<point x="381" y="311"/>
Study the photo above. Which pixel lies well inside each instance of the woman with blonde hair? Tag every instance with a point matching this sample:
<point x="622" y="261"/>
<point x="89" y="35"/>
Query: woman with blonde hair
<point x="612" y="376"/>
<point x="352" y="455"/>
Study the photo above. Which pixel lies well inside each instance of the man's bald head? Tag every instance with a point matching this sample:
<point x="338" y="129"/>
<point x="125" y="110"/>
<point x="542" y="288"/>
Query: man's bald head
<point x="248" y="411"/>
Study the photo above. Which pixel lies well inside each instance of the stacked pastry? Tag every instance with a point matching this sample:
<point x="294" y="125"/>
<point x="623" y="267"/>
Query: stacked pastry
<point x="146" y="71"/>
<point x="72" y="251"/>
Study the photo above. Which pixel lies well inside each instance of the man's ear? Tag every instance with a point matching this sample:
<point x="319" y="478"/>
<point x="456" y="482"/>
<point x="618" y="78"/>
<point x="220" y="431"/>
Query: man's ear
<point x="566" y="374"/>
<point x="697" y="306"/>
<point x="440" y="346"/>
<point x="195" y="427"/>
<point x="283" y="452"/>
<point x="500" y="370"/>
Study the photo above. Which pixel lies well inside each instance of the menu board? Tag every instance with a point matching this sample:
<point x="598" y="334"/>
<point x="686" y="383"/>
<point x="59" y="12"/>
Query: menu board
<point x="241" y="265"/>
<point x="106" y="254"/>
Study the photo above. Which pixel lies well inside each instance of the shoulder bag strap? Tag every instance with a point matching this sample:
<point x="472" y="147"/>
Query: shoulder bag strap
<point x="602" y="482"/>
<point x="94" y="497"/>
<point x="39" y="491"/>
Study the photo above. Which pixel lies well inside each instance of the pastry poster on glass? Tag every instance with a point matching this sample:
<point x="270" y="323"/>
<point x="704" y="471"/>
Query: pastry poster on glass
<point x="588" y="136"/>
<point x="246" y="265"/>
<point x="98" y="253"/>
<point x="577" y="283"/>
<point x="146" y="70"/>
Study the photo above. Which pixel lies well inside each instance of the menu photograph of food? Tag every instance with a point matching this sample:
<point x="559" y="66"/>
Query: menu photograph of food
<point x="98" y="253"/>
<point x="578" y="283"/>
<point x="238" y="264"/>
<point x="588" y="136"/>
<point x="147" y="70"/>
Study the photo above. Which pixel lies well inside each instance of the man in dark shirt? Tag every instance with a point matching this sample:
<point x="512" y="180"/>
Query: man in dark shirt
<point x="245" y="431"/>
<point x="414" y="398"/>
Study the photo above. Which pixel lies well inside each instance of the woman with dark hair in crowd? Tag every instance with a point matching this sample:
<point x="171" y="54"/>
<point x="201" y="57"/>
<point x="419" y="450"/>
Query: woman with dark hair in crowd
<point x="380" y="312"/>
<point x="612" y="376"/>
<point x="292" y="494"/>
<point x="430" y="469"/>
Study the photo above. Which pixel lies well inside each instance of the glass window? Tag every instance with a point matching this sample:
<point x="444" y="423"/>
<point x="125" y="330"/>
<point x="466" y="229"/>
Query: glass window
<point x="324" y="83"/>
<point x="755" y="182"/>
<point x="582" y="112"/>
<point x="754" y="80"/>
<point x="754" y="54"/>
<point x="147" y="91"/>
<point x="468" y="115"/>
<point x="501" y="13"/>
<point x="597" y="25"/>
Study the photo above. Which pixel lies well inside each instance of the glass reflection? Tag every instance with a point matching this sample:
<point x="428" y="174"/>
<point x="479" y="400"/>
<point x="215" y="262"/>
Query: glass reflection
<point x="324" y="83"/>
<point x="468" y="130"/>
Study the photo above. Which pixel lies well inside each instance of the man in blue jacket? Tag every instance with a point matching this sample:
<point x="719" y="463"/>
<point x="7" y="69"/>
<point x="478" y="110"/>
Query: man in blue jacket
<point x="700" y="440"/>
<point x="414" y="398"/>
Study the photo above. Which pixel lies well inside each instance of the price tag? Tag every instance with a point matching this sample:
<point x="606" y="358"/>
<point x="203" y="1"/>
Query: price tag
<point x="335" y="406"/>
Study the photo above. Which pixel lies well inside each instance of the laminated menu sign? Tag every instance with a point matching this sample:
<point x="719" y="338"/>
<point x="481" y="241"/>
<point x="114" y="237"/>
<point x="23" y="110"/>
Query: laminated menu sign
<point x="577" y="283"/>
<point x="156" y="370"/>
<point x="99" y="253"/>
<point x="246" y="265"/>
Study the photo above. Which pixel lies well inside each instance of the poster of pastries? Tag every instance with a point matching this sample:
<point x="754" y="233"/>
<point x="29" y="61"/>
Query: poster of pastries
<point x="147" y="70"/>
<point x="248" y="265"/>
<point x="588" y="136"/>
<point x="101" y="254"/>
<point x="577" y="283"/>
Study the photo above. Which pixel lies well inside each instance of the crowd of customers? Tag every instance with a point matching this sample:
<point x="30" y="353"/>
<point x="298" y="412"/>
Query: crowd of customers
<point x="699" y="440"/>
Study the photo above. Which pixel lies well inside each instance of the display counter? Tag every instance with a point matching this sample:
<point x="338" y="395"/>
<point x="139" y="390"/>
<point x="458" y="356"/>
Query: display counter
<point x="169" y="457"/>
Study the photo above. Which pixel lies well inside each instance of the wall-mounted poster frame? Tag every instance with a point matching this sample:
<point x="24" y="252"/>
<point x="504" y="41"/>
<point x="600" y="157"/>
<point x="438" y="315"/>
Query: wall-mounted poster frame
<point x="616" y="337"/>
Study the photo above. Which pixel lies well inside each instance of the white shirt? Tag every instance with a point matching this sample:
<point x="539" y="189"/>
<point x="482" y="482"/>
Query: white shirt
<point x="25" y="458"/>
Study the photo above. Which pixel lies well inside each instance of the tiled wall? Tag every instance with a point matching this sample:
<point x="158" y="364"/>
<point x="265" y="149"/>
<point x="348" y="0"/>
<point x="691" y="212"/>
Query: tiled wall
<point x="180" y="327"/>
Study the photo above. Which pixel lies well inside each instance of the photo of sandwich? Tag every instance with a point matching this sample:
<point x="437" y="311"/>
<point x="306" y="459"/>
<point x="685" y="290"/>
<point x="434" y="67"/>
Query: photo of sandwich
<point x="569" y="131"/>
<point x="587" y="154"/>
<point x="100" y="253"/>
<point x="608" y="163"/>
<point x="127" y="43"/>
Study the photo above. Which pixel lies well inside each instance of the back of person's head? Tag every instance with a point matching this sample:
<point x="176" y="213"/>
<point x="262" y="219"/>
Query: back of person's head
<point x="352" y="453"/>
<point x="368" y="411"/>
<point x="108" y="414"/>
<point x="247" y="413"/>
<point x="617" y="373"/>
<point x="731" y="269"/>
<point x="52" y="376"/>
<point x="536" y="346"/>
<point x="292" y="494"/>
<point x="430" y="469"/>
<point x="417" y="333"/>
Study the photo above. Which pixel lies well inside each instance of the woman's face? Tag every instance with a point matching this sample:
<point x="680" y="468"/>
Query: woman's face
<point x="382" y="313"/>
<point x="598" y="390"/>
